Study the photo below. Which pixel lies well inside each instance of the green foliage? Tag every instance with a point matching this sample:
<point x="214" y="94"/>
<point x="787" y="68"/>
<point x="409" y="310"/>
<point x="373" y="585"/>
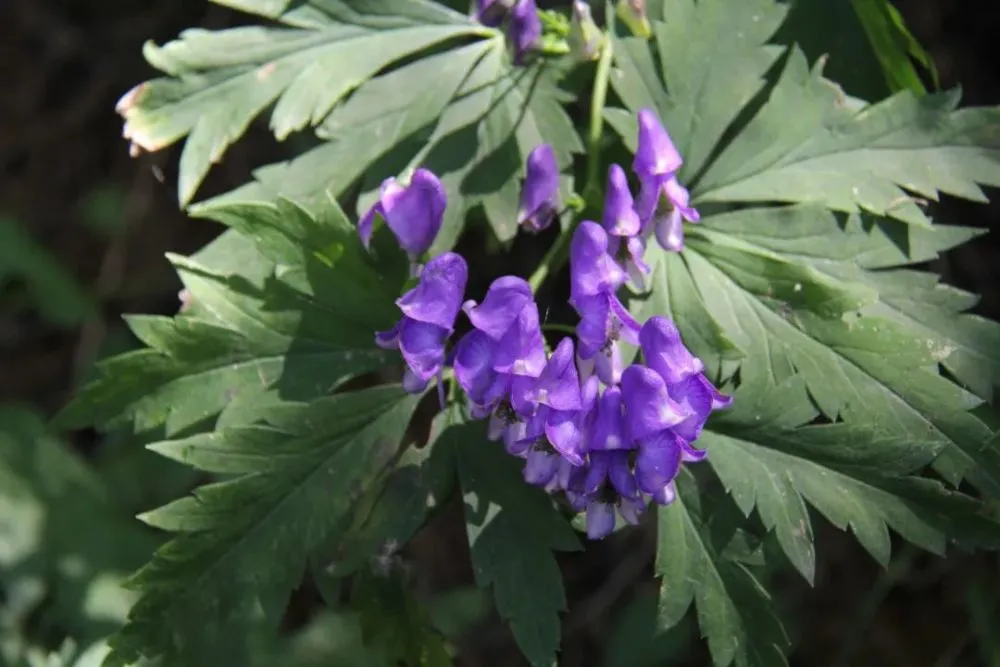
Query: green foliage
<point x="853" y="372"/>
<point x="49" y="288"/>
<point x="248" y="343"/>
<point x="512" y="531"/>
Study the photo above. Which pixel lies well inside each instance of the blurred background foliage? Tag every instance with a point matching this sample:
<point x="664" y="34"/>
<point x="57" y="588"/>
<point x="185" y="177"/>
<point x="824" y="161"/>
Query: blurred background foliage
<point x="83" y="232"/>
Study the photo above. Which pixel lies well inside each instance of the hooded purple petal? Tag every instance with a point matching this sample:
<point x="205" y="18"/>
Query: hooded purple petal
<point x="505" y="299"/>
<point x="438" y="296"/>
<point x="592" y="269"/>
<point x="609" y="431"/>
<point x="565" y="433"/>
<point x="620" y="218"/>
<point x="664" y="351"/>
<point x="524" y="29"/>
<point x="655" y="154"/>
<point x="658" y="461"/>
<point x="648" y="407"/>
<point x="540" y="194"/>
<point x="413" y="212"/>
<point x="521" y="350"/>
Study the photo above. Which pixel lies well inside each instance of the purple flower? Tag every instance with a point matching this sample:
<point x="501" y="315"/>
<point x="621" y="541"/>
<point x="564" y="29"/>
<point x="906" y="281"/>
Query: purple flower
<point x="540" y="194"/>
<point x="620" y="218"/>
<point x="649" y="410"/>
<point x="603" y="322"/>
<point x="663" y="202"/>
<point x="413" y="212"/>
<point x="429" y="312"/>
<point x="524" y="29"/>
<point x="504" y="301"/>
<point x="593" y="270"/>
<point x="655" y="154"/>
<point x="609" y="432"/>
<point x="491" y="12"/>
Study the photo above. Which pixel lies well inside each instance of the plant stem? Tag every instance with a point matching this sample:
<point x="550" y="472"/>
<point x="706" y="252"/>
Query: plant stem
<point x="556" y="326"/>
<point x="556" y="255"/>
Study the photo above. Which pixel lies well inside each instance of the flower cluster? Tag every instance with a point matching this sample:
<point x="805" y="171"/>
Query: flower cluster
<point x="611" y="439"/>
<point x="524" y="27"/>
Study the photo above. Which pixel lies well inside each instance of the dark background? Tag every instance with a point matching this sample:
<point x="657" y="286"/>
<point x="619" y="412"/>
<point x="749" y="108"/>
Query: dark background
<point x="69" y="184"/>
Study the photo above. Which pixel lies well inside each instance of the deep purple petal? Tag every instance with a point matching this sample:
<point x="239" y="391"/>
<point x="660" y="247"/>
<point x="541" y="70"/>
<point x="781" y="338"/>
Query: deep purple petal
<point x="592" y="269"/>
<point x="422" y="346"/>
<point x="504" y="301"/>
<point x="609" y="432"/>
<point x="597" y="471"/>
<point x="664" y="351"/>
<point x="648" y="407"/>
<point x="600" y="520"/>
<point x="559" y="385"/>
<point x="658" y="461"/>
<point x="438" y="296"/>
<point x="514" y="439"/>
<point x="541" y="467"/>
<point x="520" y="389"/>
<point x="540" y="194"/>
<point x="594" y="326"/>
<point x="621" y="476"/>
<point x="524" y="29"/>
<point x="414" y="212"/>
<point x="620" y="218"/>
<point x="521" y="351"/>
<point x="655" y="153"/>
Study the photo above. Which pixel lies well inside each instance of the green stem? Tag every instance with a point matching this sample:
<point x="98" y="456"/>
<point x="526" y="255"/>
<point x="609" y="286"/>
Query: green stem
<point x="556" y="255"/>
<point x="556" y="326"/>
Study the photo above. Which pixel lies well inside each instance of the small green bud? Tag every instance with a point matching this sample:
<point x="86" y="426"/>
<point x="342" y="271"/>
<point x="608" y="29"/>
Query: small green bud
<point x="633" y="13"/>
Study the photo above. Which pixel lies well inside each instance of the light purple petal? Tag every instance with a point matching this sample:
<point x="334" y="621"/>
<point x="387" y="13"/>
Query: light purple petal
<point x="665" y="495"/>
<point x="514" y="439"/>
<point x="389" y="340"/>
<point x="540" y="193"/>
<point x="632" y="509"/>
<point x="680" y="198"/>
<point x="620" y="218"/>
<point x="669" y="229"/>
<point x="648" y="407"/>
<point x="504" y="301"/>
<point x="413" y="383"/>
<point x="600" y="520"/>
<point x="438" y="295"/>
<point x="635" y="263"/>
<point x="562" y="428"/>
<point x="491" y="12"/>
<point x="655" y="153"/>
<point x="541" y="467"/>
<point x="658" y="461"/>
<point x="592" y="269"/>
<point x="366" y="225"/>
<point x="664" y="351"/>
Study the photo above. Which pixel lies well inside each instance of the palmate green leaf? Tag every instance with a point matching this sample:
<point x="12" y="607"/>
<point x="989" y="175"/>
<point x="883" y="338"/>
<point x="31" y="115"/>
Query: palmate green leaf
<point x="294" y="335"/>
<point x="242" y="542"/>
<point x="735" y="613"/>
<point x="218" y="81"/>
<point x="512" y="530"/>
<point x="807" y="143"/>
<point x="467" y="115"/>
